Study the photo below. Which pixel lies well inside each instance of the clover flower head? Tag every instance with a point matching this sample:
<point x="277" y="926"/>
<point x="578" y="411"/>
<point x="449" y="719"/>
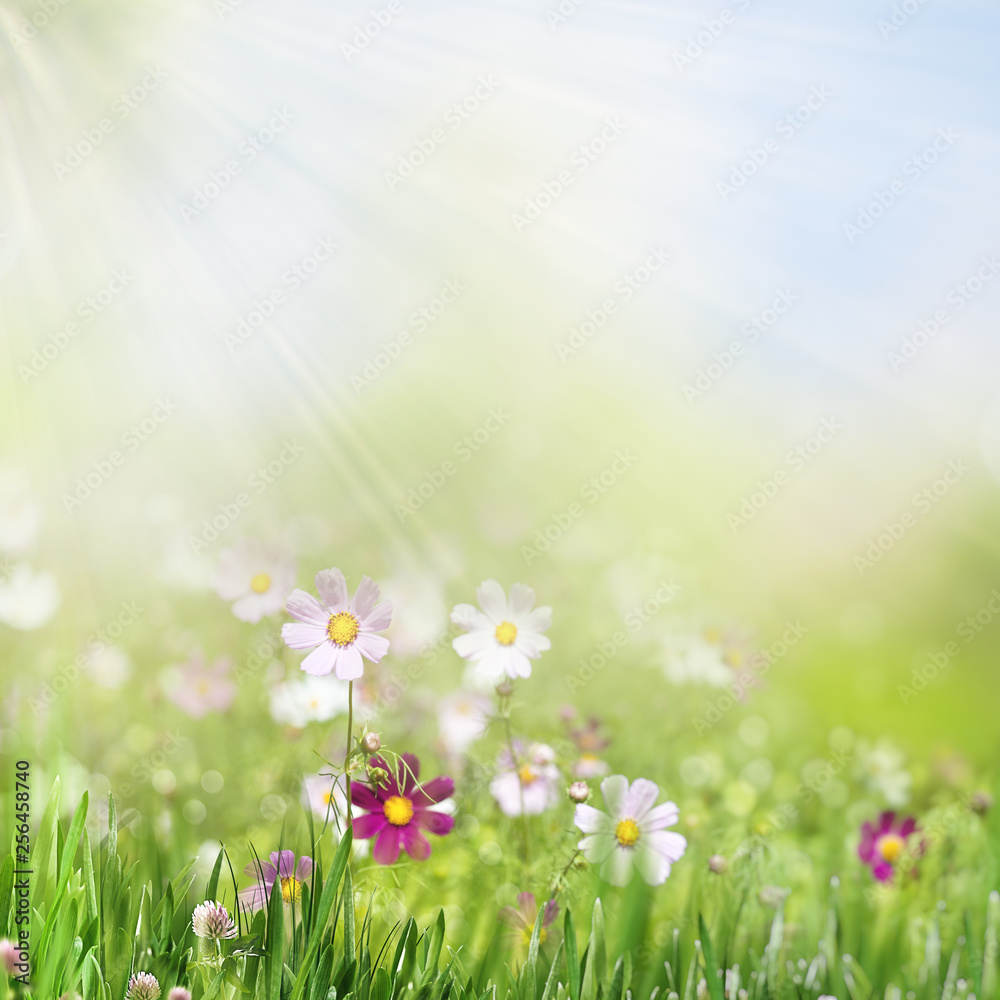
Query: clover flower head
<point x="211" y="920"/>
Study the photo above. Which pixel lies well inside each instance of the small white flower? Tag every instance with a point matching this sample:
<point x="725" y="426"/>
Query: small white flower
<point x="311" y="699"/>
<point x="632" y="834"/>
<point x="256" y="577"/>
<point x="503" y="637"/>
<point x="28" y="599"/>
<point x="462" y="719"/>
<point x="881" y="769"/>
<point x="706" y="657"/>
<point x="527" y="782"/>
<point x="325" y="796"/>
<point x="19" y="514"/>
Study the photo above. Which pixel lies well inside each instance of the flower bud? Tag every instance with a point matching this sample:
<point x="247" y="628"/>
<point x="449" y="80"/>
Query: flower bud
<point x="772" y="896"/>
<point x="505" y="689"/>
<point x="579" y="791"/>
<point x="981" y="802"/>
<point x="378" y="776"/>
<point x="718" y="863"/>
<point x="371" y="743"/>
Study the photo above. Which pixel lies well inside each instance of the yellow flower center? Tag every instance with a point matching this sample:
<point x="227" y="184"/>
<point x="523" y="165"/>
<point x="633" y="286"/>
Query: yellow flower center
<point x="506" y="633"/>
<point x="260" y="583"/>
<point x="342" y="628"/>
<point x="328" y="799"/>
<point x="627" y="832"/>
<point x="890" y="846"/>
<point x="291" y="889"/>
<point x="202" y="686"/>
<point x="398" y="810"/>
<point x="527" y="776"/>
<point x="526" y="935"/>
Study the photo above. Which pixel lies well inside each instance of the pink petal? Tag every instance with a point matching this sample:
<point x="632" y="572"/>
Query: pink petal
<point x="883" y="871"/>
<point x="378" y="618"/>
<point x="364" y="798"/>
<point x="369" y="825"/>
<point x="347" y="663"/>
<point x="432" y="792"/>
<point x="526" y="900"/>
<point x="909" y="825"/>
<point x="284" y="861"/>
<point x="264" y="871"/>
<point x="641" y="797"/>
<point x="321" y="660"/>
<point x="364" y="597"/>
<point x="662" y="816"/>
<point x="332" y="587"/>
<point x="415" y="843"/>
<point x="386" y="849"/>
<point x="301" y="635"/>
<point x="492" y="600"/>
<point x="304" y="868"/>
<point x="409" y="772"/>
<point x="433" y="821"/>
<point x="372" y="647"/>
<point x="306" y="608"/>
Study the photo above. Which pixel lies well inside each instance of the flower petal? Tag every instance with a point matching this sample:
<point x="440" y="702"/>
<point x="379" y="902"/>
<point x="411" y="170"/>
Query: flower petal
<point x="332" y="587"/>
<point x="284" y="861"/>
<point x="369" y="825"/>
<point x="472" y="645"/>
<point x="321" y="660"/>
<point x="303" y="635"/>
<point x="378" y="618"/>
<point x="641" y="797"/>
<point x="263" y="871"/>
<point x="364" y="597"/>
<point x="304" y="868"/>
<point x="540" y="620"/>
<point x="372" y="647"/>
<point x="665" y="814"/>
<point x="617" y="867"/>
<point x="433" y="792"/>
<point x="348" y="665"/>
<point x="591" y="820"/>
<point x="434" y="821"/>
<point x="492" y="600"/>
<point x="305" y="608"/>
<point x="414" y="842"/>
<point x="614" y="788"/>
<point x="653" y="858"/>
<point x="386" y="849"/>
<point x="532" y="645"/>
<point x="521" y="601"/>
<point x="597" y="847"/>
<point x="409" y="772"/>
<point x="364" y="797"/>
<point x="469" y="617"/>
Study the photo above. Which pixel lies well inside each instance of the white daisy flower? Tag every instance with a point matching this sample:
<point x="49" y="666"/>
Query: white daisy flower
<point x="312" y="699"/>
<point x="28" y="599"/>
<point x="256" y="577"/>
<point x="706" y="657"/>
<point x="527" y="782"/>
<point x="462" y="719"/>
<point x="325" y="796"/>
<point x="632" y="834"/>
<point x="505" y="635"/>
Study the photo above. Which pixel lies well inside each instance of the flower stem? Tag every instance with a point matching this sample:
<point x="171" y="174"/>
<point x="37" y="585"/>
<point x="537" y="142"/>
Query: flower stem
<point x="520" y="788"/>
<point x="347" y="752"/>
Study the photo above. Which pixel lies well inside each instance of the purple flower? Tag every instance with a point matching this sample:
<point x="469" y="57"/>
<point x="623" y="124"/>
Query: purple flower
<point x="199" y="689"/>
<point x="522" y="917"/>
<point x="399" y="810"/>
<point x="341" y="631"/>
<point x="280" y="869"/>
<point x="10" y="957"/>
<point x="883" y="844"/>
<point x="143" y="986"/>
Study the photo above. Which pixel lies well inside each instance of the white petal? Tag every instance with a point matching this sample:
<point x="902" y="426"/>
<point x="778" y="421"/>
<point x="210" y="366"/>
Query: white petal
<point x="470" y="617"/>
<point x="654" y="854"/>
<point x="597" y="847"/>
<point x="617" y="867"/>
<point x="522" y="600"/>
<point x="332" y="588"/>
<point x="641" y="798"/>
<point x="472" y="645"/>
<point x="592" y="820"/>
<point x="532" y="645"/>
<point x="299" y="635"/>
<point x="662" y="816"/>
<point x="349" y="665"/>
<point x="321" y="660"/>
<point x="614" y="788"/>
<point x="492" y="600"/>
<point x="540" y="620"/>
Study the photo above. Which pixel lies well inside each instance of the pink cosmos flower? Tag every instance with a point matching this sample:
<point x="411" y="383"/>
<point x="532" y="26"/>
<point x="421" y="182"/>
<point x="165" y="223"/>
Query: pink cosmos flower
<point x="341" y="631"/>
<point x="883" y="844"/>
<point x="282" y="870"/>
<point x="199" y="689"/>
<point x="522" y="917"/>
<point x="399" y="810"/>
<point x="10" y="956"/>
<point x="527" y="781"/>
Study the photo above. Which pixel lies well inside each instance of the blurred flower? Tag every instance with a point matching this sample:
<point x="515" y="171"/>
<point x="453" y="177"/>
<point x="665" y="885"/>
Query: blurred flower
<point x="257" y="577"/>
<point x="19" y="514"/>
<point x="632" y="833"/>
<point x="462" y="719"/>
<point x="399" y="810"/>
<point x="211" y="920"/>
<point x="772" y="896"/>
<point x="522" y="917"/>
<point x="579" y="791"/>
<point x="340" y="632"/>
<point x="309" y="699"/>
<point x="325" y="796"/>
<point x="179" y="993"/>
<point x="526" y="782"/>
<point x="503" y="637"/>
<point x="421" y="615"/>
<point x="706" y="657"/>
<point x="199" y="689"/>
<point x="142" y="986"/>
<point x="10" y="956"/>
<point x="981" y="802"/>
<point x="280" y="870"/>
<point x="881" y="769"/>
<point x="718" y="864"/>
<point x="883" y="843"/>
<point x="589" y="740"/>
<point x="108" y="666"/>
<point x="589" y="765"/>
<point x="28" y="599"/>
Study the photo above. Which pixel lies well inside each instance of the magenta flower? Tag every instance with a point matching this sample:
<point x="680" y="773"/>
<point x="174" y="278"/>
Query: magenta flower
<point x="281" y="870"/>
<point x="522" y="917"/>
<point x="338" y="631"/>
<point x="399" y="810"/>
<point x="198" y="688"/>
<point x="883" y="844"/>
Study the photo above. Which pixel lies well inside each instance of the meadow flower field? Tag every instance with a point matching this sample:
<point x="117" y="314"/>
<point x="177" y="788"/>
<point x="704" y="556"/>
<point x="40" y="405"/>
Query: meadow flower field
<point x="498" y="501"/>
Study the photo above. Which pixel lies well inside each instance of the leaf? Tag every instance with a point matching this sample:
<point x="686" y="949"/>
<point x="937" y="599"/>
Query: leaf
<point x="714" y="982"/>
<point x="323" y="975"/>
<point x="550" y="983"/>
<point x="273" y="949"/>
<point x="213" y="880"/>
<point x="6" y="892"/>
<point x="572" y="957"/>
<point x="381" y="986"/>
<point x="348" y="913"/>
